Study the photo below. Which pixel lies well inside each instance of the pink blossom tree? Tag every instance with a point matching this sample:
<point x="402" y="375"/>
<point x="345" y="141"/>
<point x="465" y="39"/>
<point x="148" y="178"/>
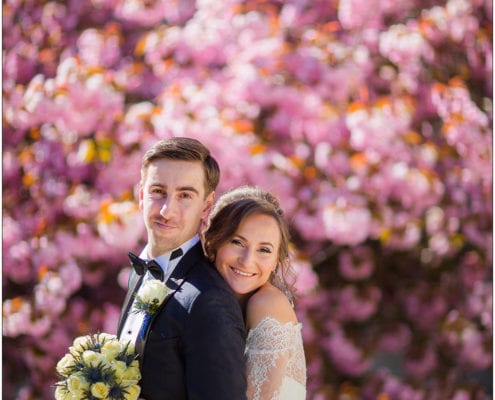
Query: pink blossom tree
<point x="371" y="120"/>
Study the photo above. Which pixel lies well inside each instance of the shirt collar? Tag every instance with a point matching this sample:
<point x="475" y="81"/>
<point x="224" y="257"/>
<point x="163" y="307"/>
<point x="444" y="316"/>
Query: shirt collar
<point x="163" y="259"/>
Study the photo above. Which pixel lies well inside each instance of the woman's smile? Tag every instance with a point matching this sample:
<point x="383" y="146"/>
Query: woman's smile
<point x="248" y="258"/>
<point x="242" y="273"/>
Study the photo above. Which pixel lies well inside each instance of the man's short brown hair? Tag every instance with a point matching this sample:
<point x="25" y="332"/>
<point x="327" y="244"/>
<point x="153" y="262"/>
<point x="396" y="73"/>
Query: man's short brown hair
<point x="184" y="149"/>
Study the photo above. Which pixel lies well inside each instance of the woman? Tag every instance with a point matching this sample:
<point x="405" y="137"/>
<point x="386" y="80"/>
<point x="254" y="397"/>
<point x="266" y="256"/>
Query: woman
<point x="248" y="241"/>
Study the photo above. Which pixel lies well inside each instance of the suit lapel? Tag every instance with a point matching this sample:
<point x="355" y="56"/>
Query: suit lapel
<point x="174" y="283"/>
<point x="134" y="283"/>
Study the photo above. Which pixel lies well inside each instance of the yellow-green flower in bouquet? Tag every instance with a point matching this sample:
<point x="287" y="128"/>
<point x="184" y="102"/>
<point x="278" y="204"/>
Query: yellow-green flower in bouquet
<point x="98" y="366"/>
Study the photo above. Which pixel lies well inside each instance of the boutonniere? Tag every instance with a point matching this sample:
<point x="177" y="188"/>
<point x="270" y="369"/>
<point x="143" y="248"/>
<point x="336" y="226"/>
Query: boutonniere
<point x="148" y="301"/>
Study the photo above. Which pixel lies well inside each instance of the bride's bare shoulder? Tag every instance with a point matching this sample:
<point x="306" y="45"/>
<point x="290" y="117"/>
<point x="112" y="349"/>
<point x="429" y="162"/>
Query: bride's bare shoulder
<point x="269" y="301"/>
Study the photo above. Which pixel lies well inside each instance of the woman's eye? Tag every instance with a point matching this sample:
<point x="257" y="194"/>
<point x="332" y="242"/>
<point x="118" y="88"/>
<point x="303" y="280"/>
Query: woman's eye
<point x="266" y="250"/>
<point x="236" y="242"/>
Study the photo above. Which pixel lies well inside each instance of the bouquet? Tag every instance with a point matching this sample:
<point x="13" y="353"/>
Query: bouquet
<point x="98" y="366"/>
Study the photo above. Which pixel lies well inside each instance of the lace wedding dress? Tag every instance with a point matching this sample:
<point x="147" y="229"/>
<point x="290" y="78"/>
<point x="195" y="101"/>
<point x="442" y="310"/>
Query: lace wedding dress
<point x="276" y="367"/>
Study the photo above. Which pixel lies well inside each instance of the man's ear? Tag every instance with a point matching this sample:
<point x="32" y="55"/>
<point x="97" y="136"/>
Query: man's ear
<point x="210" y="200"/>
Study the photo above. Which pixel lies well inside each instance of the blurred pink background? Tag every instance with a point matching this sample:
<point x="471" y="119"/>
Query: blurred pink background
<point x="371" y="120"/>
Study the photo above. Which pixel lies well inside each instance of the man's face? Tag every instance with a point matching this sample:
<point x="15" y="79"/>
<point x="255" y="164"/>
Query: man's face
<point x="172" y="198"/>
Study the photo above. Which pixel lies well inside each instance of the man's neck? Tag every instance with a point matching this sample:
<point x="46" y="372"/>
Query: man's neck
<point x="147" y="253"/>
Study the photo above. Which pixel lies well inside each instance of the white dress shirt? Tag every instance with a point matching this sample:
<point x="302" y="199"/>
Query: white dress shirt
<point x="134" y="321"/>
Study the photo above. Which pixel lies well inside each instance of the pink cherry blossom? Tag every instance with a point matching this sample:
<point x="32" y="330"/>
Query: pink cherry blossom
<point x="341" y="220"/>
<point x="352" y="14"/>
<point x="120" y="224"/>
<point x="16" y="317"/>
<point x="357" y="263"/>
<point x="357" y="304"/>
<point x="421" y="365"/>
<point x="345" y="354"/>
<point x="396" y="338"/>
<point x="99" y="48"/>
<point x="305" y="279"/>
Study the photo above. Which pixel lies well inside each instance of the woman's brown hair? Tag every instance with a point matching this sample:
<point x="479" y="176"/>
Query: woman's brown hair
<point x="228" y="213"/>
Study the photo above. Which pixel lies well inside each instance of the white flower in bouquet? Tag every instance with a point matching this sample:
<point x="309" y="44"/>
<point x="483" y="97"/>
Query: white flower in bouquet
<point x="98" y="367"/>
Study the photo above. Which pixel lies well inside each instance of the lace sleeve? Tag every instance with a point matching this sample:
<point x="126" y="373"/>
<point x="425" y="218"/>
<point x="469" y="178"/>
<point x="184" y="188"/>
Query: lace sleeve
<point x="275" y="361"/>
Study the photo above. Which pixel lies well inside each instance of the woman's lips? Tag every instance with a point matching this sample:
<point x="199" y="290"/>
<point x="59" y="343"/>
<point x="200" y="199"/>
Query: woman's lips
<point x="242" y="273"/>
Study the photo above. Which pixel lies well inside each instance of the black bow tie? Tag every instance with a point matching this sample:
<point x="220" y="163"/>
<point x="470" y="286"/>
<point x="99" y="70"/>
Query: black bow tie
<point x="141" y="266"/>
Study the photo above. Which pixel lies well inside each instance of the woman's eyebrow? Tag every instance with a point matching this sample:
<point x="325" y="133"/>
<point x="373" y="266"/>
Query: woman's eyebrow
<point x="262" y="243"/>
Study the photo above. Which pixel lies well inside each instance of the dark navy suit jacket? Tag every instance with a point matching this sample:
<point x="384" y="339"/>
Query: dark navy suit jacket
<point x="194" y="346"/>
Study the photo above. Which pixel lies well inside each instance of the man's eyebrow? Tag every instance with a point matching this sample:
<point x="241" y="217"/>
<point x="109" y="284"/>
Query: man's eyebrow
<point x="188" y="189"/>
<point x="179" y="189"/>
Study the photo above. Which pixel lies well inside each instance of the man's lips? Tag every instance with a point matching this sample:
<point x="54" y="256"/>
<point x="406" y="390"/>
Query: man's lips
<point x="164" y="224"/>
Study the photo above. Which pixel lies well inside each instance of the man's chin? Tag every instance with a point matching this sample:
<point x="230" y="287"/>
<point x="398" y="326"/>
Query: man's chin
<point x="165" y="236"/>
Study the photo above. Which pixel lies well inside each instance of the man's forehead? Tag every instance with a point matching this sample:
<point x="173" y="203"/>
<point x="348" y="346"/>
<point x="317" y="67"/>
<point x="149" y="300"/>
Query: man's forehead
<point x="164" y="172"/>
<point x="167" y="167"/>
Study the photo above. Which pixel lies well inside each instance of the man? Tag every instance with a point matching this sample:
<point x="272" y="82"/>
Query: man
<point x="193" y="348"/>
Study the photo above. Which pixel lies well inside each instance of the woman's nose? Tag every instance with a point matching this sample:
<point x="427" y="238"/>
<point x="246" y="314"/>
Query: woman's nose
<point x="246" y="257"/>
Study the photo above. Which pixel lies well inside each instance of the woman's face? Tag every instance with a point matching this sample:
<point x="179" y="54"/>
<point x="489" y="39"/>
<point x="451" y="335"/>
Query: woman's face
<point x="247" y="259"/>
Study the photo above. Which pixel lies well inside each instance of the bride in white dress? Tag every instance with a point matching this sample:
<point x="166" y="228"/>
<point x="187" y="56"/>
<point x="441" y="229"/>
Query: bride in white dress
<point x="248" y="241"/>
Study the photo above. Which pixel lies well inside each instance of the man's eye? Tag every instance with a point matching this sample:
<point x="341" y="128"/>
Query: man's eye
<point x="185" y="195"/>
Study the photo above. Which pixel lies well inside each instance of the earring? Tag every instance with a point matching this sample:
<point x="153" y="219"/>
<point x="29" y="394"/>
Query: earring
<point x="273" y="275"/>
<point x="279" y="282"/>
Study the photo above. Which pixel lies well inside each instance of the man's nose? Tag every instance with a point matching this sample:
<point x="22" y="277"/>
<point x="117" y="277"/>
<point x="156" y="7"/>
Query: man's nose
<point x="168" y="207"/>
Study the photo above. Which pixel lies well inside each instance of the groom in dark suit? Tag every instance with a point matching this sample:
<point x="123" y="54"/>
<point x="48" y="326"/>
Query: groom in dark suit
<point x="193" y="347"/>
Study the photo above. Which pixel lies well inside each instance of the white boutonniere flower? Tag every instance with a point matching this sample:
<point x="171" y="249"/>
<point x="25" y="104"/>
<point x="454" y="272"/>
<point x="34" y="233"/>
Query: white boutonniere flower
<point x="148" y="301"/>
